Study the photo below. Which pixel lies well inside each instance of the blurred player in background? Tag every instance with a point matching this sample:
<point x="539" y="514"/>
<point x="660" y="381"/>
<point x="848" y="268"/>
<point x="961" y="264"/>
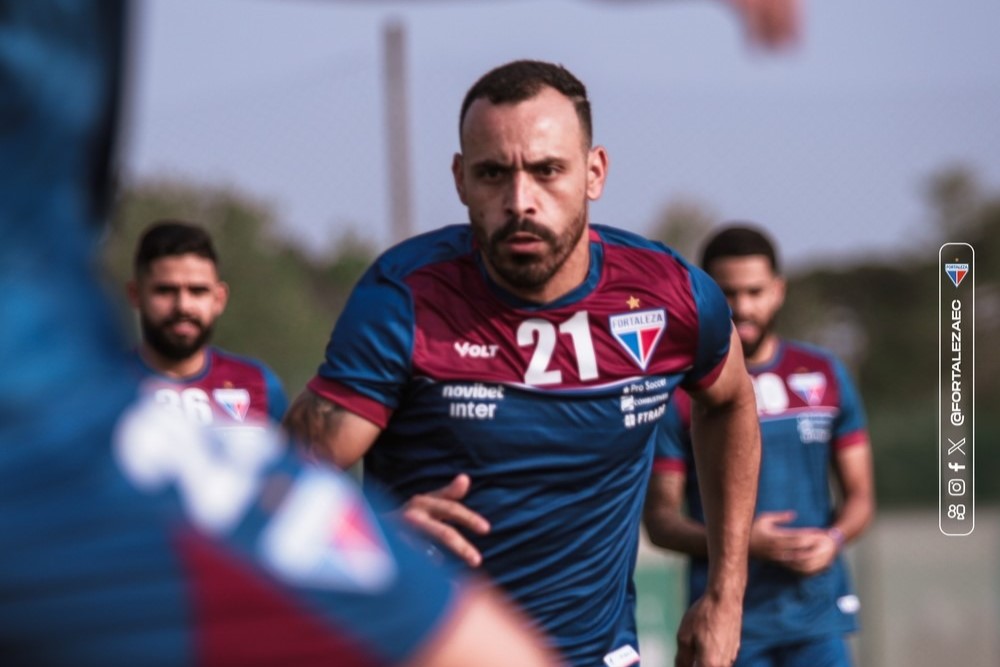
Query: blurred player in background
<point x="216" y="561"/>
<point x="178" y="295"/>
<point x="799" y="604"/>
<point x="507" y="376"/>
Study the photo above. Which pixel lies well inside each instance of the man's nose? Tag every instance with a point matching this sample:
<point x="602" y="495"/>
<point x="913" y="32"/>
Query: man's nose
<point x="184" y="301"/>
<point x="521" y="196"/>
<point x="740" y="305"/>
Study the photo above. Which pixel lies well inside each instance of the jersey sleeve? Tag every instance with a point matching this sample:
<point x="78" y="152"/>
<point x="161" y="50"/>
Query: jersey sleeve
<point x="672" y="446"/>
<point x="851" y="426"/>
<point x="714" y="329"/>
<point x="291" y="550"/>
<point x="368" y="576"/>
<point x="277" y="400"/>
<point x="368" y="357"/>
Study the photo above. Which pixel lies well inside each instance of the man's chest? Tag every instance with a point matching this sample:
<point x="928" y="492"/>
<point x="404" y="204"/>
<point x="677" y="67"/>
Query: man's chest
<point x="212" y="401"/>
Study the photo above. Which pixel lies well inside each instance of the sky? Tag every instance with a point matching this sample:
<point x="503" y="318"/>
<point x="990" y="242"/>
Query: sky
<point x="829" y="145"/>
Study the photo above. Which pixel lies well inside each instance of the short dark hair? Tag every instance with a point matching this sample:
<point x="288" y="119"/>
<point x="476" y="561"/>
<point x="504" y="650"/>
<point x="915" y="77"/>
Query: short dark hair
<point x="739" y="240"/>
<point x="521" y="80"/>
<point x="168" y="238"/>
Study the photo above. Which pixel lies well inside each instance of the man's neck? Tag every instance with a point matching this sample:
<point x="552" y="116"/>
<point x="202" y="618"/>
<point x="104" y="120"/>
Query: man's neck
<point x="570" y="275"/>
<point x="765" y="352"/>
<point x="174" y="368"/>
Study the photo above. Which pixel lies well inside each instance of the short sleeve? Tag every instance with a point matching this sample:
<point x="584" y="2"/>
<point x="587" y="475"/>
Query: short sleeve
<point x="673" y="437"/>
<point x="714" y="330"/>
<point x="851" y="424"/>
<point x="368" y="357"/>
<point x="277" y="401"/>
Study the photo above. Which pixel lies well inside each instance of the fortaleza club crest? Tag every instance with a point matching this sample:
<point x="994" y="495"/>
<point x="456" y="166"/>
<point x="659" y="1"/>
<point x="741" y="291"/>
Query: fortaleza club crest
<point x="810" y="387"/>
<point x="639" y="332"/>
<point x="236" y="402"/>
<point x="957" y="272"/>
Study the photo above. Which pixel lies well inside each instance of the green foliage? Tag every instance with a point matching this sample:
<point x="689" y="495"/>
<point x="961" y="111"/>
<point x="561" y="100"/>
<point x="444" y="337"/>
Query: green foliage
<point x="282" y="304"/>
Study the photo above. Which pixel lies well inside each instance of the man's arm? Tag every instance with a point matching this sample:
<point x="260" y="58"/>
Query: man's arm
<point x="329" y="432"/>
<point x="855" y="476"/>
<point x="667" y="525"/>
<point x="487" y="631"/>
<point x="727" y="455"/>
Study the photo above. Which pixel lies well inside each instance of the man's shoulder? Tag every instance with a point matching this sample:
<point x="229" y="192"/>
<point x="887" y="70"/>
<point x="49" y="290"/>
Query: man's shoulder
<point x="222" y="359"/>
<point x="637" y="256"/>
<point x="797" y="351"/>
<point x="440" y="245"/>
<point x="615" y="237"/>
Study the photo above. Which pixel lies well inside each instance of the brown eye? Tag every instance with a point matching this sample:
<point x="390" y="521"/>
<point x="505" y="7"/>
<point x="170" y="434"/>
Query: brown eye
<point x="490" y="173"/>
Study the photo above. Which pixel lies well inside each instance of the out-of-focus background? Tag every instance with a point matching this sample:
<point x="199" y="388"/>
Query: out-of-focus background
<point x="309" y="135"/>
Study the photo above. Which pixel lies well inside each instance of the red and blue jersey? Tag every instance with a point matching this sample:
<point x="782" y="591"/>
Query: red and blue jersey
<point x="808" y="410"/>
<point x="551" y="409"/>
<point x="229" y="392"/>
<point x="140" y="542"/>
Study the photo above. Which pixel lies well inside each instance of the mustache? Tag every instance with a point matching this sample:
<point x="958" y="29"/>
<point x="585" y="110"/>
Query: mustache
<point x="515" y="225"/>
<point x="177" y="319"/>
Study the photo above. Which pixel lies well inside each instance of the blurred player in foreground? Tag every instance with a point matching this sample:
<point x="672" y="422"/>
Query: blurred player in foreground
<point x="799" y="605"/>
<point x="507" y="377"/>
<point x="216" y="561"/>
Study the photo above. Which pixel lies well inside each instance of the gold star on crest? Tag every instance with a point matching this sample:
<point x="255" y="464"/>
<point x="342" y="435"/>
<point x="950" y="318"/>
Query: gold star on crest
<point x="633" y="303"/>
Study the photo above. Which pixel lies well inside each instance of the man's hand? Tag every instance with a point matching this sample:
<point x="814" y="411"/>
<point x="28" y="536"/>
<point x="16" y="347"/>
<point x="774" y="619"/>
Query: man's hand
<point x="437" y="513"/>
<point x="813" y="551"/>
<point x="771" y="24"/>
<point x="803" y="550"/>
<point x="709" y="634"/>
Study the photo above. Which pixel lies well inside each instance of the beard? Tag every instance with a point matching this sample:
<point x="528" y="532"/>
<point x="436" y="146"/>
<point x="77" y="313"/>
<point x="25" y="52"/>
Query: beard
<point x="751" y="347"/>
<point x="170" y="346"/>
<point x="530" y="271"/>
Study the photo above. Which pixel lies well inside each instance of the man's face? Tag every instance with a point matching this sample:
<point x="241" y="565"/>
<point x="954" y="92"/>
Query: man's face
<point x="755" y="294"/>
<point x="178" y="300"/>
<point x="526" y="175"/>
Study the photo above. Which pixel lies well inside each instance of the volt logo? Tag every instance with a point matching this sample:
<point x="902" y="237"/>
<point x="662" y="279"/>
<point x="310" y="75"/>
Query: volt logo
<point x="475" y="350"/>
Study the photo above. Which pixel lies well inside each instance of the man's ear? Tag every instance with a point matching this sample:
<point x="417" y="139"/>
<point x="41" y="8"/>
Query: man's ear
<point x="597" y="171"/>
<point x="458" y="172"/>
<point x="132" y="292"/>
<point x="222" y="296"/>
<point x="779" y="287"/>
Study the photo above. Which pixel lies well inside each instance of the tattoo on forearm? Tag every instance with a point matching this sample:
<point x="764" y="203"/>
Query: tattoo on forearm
<point x="311" y="421"/>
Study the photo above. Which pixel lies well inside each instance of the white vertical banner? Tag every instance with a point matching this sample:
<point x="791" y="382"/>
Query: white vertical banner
<point x="957" y="389"/>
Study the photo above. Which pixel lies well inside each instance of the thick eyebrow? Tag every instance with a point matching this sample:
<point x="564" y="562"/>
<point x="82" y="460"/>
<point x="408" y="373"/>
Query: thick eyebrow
<point x="490" y="163"/>
<point x="172" y="285"/>
<point x="548" y="161"/>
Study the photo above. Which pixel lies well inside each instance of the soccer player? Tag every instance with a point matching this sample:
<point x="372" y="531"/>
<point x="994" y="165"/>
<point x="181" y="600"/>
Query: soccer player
<point x="799" y="604"/>
<point x="178" y="294"/>
<point x="507" y="377"/>
<point x="127" y="539"/>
